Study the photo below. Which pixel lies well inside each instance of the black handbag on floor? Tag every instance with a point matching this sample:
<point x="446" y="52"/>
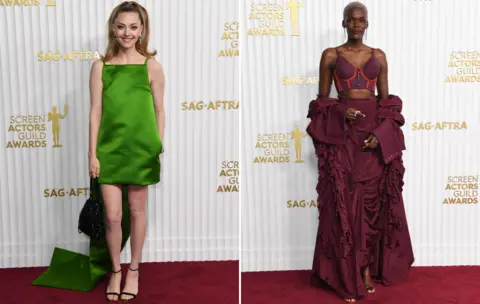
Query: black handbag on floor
<point x="91" y="221"/>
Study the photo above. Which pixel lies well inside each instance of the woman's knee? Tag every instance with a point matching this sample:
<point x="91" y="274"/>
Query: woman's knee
<point x="137" y="210"/>
<point x="112" y="196"/>
<point x="114" y="218"/>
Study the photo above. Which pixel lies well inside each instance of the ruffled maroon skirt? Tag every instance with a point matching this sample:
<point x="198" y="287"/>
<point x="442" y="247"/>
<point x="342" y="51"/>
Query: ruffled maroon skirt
<point x="362" y="220"/>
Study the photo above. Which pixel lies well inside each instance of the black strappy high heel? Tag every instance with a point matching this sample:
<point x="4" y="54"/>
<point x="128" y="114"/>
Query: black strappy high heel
<point x="133" y="296"/>
<point x="112" y="293"/>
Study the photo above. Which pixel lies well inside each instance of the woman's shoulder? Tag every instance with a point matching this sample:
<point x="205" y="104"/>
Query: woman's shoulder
<point x="329" y="54"/>
<point x="330" y="51"/>
<point x="154" y="67"/>
<point x="97" y="66"/>
<point x="97" y="63"/>
<point x="152" y="63"/>
<point x="379" y="53"/>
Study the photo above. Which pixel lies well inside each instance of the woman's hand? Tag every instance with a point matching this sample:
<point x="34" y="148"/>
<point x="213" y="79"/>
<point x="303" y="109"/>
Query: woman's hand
<point x="371" y="142"/>
<point x="94" y="167"/>
<point x="351" y="114"/>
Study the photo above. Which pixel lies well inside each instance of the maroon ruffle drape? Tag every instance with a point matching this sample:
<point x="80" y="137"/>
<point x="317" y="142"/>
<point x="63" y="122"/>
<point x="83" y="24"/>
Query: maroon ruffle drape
<point x="362" y="219"/>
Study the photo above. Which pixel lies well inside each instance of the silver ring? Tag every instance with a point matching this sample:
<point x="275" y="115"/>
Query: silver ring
<point x="356" y="112"/>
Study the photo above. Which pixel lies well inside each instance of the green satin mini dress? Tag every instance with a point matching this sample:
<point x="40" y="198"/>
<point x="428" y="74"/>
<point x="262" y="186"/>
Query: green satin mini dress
<point x="128" y="145"/>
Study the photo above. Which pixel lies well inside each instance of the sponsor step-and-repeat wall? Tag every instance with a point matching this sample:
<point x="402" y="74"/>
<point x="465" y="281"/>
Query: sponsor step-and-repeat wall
<point x="434" y="66"/>
<point x="47" y="49"/>
<point x="46" y="53"/>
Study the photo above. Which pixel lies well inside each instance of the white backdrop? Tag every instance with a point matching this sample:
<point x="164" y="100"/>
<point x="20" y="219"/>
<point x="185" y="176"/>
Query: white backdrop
<point x="424" y="42"/>
<point x="45" y="57"/>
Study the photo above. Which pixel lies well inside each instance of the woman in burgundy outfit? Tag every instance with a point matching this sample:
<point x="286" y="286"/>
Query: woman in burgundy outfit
<point x="363" y="233"/>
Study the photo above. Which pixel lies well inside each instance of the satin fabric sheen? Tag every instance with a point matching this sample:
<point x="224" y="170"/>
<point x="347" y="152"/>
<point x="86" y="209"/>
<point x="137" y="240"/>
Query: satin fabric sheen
<point x="128" y="145"/>
<point x="76" y="271"/>
<point x="128" y="149"/>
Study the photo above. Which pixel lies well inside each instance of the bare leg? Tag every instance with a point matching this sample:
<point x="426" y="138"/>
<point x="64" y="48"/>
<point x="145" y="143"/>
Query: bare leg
<point x="112" y="196"/>
<point x="367" y="281"/>
<point x="137" y="198"/>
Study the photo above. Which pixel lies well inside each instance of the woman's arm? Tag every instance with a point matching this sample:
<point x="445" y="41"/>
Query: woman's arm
<point x="326" y="76"/>
<point x="96" y="87"/>
<point x="327" y="115"/>
<point x="382" y="83"/>
<point x="382" y="88"/>
<point x="158" y="89"/>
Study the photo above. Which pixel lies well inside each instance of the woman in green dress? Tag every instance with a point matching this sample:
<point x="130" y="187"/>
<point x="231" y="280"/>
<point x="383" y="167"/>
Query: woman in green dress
<point x="127" y="123"/>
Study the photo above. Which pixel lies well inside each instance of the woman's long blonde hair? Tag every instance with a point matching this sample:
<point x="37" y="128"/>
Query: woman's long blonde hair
<point x="140" y="46"/>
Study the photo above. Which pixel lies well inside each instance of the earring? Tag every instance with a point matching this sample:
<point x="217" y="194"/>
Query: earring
<point x="344" y="34"/>
<point x="366" y="34"/>
<point x="140" y="39"/>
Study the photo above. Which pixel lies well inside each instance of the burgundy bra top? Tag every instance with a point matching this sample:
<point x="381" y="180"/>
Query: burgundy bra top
<point x="348" y="77"/>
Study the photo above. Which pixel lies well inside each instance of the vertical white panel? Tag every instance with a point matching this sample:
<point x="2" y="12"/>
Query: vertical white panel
<point x="418" y="37"/>
<point x="187" y="218"/>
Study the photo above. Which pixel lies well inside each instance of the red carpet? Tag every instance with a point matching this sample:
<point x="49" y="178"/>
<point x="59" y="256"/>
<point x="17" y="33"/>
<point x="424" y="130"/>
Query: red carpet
<point x="179" y="282"/>
<point x="424" y="285"/>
